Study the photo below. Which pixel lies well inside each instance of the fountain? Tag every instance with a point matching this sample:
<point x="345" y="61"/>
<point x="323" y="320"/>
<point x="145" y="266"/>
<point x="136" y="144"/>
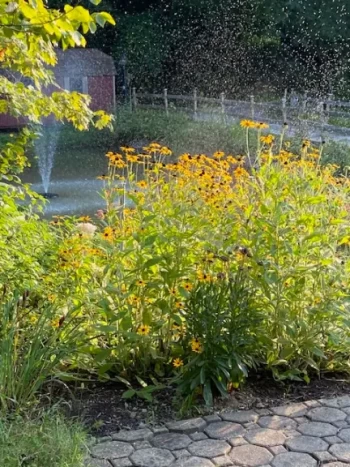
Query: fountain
<point x="45" y="147"/>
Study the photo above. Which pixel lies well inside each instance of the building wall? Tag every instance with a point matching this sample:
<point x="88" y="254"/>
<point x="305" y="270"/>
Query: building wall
<point x="101" y="89"/>
<point x="9" y="122"/>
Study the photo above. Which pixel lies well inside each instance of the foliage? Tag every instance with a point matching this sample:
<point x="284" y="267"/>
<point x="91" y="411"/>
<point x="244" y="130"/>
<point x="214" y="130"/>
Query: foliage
<point x="204" y="267"/>
<point x="33" y="347"/>
<point x="45" y="440"/>
<point x="30" y="32"/>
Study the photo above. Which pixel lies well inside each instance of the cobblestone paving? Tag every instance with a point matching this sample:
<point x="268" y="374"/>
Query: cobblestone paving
<point x="310" y="434"/>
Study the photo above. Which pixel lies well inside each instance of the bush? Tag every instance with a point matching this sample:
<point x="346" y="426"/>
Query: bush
<point x="206" y="267"/>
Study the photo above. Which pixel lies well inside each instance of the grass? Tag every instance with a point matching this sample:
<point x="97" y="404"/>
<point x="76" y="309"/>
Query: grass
<point x="85" y="151"/>
<point x="45" y="441"/>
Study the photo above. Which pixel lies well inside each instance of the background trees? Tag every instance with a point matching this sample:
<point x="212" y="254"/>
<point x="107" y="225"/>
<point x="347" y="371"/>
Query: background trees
<point x="231" y="45"/>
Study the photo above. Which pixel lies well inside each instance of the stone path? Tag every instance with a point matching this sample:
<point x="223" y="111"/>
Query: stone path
<point x="310" y="434"/>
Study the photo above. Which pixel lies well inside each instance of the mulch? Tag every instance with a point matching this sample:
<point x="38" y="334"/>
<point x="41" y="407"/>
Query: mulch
<point x="104" y="411"/>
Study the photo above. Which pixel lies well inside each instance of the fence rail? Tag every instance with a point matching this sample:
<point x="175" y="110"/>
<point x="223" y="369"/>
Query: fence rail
<point x="290" y="108"/>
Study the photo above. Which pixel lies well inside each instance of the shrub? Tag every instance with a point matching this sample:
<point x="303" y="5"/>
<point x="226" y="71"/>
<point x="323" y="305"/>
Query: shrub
<point x="208" y="266"/>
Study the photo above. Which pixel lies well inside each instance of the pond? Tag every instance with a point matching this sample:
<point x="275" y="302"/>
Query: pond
<point x="77" y="160"/>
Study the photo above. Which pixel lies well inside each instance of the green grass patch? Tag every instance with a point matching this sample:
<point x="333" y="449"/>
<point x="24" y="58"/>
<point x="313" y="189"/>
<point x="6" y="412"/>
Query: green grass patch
<point x="46" y="441"/>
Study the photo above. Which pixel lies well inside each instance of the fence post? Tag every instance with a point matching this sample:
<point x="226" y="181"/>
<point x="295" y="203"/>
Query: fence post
<point x="134" y="98"/>
<point x="222" y="98"/>
<point x="304" y="102"/>
<point x="166" y="102"/>
<point x="195" y="102"/>
<point x="252" y="106"/>
<point x="284" y="108"/>
<point x="328" y="105"/>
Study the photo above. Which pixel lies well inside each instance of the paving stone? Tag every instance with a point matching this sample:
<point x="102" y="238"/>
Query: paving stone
<point x="312" y="404"/>
<point x="152" y="457"/>
<point x="333" y="439"/>
<point x="132" y="435"/>
<point x="326" y="414"/>
<point x="125" y="462"/>
<point x="224" y="430"/>
<point x="187" y="426"/>
<point x="337" y="402"/>
<point x="111" y="450"/>
<point x="346" y="410"/>
<point x="292" y="410"/>
<point x="198" y="436"/>
<point x="240" y="416"/>
<point x="263" y="411"/>
<point x="277" y="450"/>
<point x="157" y="430"/>
<point x="193" y="462"/>
<point x="212" y="418"/>
<point x="344" y="434"/>
<point x="96" y="463"/>
<point x="277" y="422"/>
<point x="251" y="426"/>
<point x="324" y="456"/>
<point x="337" y="464"/>
<point x="293" y="459"/>
<point x="222" y="461"/>
<point x="301" y="420"/>
<point x="237" y="441"/>
<point x="265" y="437"/>
<point x="141" y="445"/>
<point x="250" y="456"/>
<point x="171" y="441"/>
<point x="341" y="424"/>
<point x="307" y="444"/>
<point x="209" y="448"/>
<point x="291" y="433"/>
<point x="317" y="429"/>
<point x="181" y="453"/>
<point x="341" y="451"/>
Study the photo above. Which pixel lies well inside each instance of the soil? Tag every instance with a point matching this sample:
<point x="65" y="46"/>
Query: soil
<point x="104" y="411"/>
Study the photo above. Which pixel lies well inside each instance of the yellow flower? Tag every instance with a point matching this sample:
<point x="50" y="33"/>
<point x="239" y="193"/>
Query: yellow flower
<point x="102" y="177"/>
<point x="141" y="283"/>
<point x="143" y="330"/>
<point x="240" y="172"/>
<point x="108" y="233"/>
<point x="177" y="363"/>
<point x="218" y="154"/>
<point x="165" y="151"/>
<point x="85" y="219"/>
<point x="204" y="277"/>
<point x="127" y="149"/>
<point x="195" y="344"/>
<point x="261" y="126"/>
<point x="187" y="286"/>
<point x="247" y="124"/>
<point x="179" y="305"/>
<point x="268" y="139"/>
<point x="142" y="184"/>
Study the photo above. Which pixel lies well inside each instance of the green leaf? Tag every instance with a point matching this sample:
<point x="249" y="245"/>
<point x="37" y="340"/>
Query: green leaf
<point x="95" y="2"/>
<point x="129" y="394"/>
<point x="102" y="18"/>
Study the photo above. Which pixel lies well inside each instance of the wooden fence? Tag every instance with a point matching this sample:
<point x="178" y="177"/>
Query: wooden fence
<point x="290" y="108"/>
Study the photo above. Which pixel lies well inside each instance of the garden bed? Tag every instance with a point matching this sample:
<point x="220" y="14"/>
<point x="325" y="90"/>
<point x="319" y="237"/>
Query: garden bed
<point x="104" y="411"/>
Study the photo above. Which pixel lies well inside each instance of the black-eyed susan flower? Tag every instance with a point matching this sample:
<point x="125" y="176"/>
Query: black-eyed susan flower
<point x="108" y="233"/>
<point x="141" y="283"/>
<point x="142" y="184"/>
<point x="178" y="362"/>
<point x="144" y="330"/>
<point x="196" y="345"/>
<point x="247" y="124"/>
